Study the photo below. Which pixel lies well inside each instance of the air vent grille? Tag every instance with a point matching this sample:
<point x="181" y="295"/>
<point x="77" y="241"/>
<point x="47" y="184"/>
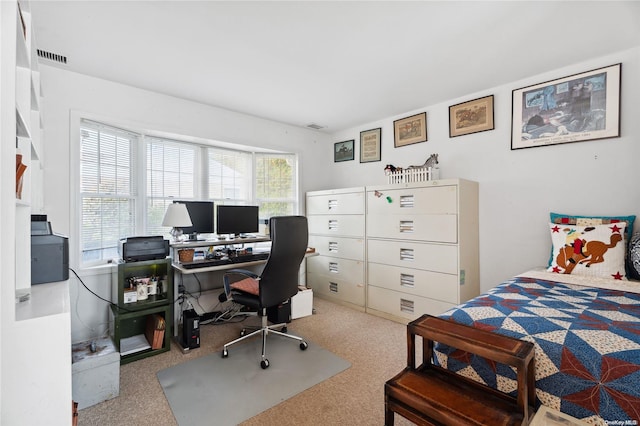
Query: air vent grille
<point x="52" y="56"/>
<point x="315" y="126"/>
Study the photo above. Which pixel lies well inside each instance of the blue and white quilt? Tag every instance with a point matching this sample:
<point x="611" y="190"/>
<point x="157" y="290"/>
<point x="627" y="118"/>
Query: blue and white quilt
<point x="587" y="343"/>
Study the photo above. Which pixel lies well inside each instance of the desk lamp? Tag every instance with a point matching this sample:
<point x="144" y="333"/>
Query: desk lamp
<point x="176" y="216"/>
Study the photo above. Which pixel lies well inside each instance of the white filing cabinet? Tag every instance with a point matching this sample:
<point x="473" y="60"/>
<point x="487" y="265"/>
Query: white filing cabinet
<point x="422" y="247"/>
<point x="336" y="230"/>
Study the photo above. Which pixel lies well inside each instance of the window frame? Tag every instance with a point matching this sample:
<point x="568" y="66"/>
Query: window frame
<point x="141" y="199"/>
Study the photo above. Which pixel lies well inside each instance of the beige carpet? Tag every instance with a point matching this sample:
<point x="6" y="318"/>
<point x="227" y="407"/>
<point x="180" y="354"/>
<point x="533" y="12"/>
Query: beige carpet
<point x="375" y="347"/>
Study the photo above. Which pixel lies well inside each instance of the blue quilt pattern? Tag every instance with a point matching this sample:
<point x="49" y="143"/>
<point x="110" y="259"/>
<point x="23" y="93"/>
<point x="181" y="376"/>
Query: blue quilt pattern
<point x="587" y="343"/>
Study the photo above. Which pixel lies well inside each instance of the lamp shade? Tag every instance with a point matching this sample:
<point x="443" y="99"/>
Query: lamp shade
<point x="176" y="216"/>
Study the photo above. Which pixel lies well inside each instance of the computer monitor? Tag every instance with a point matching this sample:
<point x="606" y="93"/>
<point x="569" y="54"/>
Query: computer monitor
<point x="236" y="220"/>
<point x="201" y="213"/>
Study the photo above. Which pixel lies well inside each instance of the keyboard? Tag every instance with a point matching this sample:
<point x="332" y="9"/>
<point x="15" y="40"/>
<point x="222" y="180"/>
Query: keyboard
<point x="206" y="263"/>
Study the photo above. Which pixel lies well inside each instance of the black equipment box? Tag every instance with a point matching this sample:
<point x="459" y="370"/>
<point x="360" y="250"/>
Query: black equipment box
<point x="279" y="314"/>
<point x="134" y="249"/>
<point x="190" y="329"/>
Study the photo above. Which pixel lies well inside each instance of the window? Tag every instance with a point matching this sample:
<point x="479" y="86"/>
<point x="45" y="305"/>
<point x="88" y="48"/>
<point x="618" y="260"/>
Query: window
<point x="128" y="179"/>
<point x="107" y="189"/>
<point x="171" y="175"/>
<point x="276" y="191"/>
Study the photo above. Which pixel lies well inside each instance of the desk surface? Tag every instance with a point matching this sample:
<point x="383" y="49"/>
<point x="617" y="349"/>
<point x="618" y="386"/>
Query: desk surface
<point x="183" y="270"/>
<point x="220" y="242"/>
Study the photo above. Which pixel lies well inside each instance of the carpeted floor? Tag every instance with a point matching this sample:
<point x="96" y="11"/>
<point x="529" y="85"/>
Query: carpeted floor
<point x="375" y="347"/>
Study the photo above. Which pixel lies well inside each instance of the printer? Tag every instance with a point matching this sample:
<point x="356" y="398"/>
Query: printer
<point x="49" y="253"/>
<point x="135" y="249"/>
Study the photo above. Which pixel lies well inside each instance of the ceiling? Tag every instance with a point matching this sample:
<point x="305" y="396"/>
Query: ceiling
<point x="335" y="64"/>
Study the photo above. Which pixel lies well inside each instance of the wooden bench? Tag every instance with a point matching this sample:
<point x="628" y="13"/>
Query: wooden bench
<point x="431" y="395"/>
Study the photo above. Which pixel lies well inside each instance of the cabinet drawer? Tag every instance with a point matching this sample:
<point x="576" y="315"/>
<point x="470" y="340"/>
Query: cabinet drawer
<point x="349" y="203"/>
<point x="342" y="225"/>
<point x="404" y="305"/>
<point x="429" y="257"/>
<point x="336" y="268"/>
<point x="429" y="200"/>
<point x="346" y="248"/>
<point x="434" y="285"/>
<point x="336" y="288"/>
<point x="438" y="228"/>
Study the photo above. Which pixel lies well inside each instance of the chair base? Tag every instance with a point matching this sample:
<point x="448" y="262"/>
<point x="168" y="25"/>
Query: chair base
<point x="265" y="330"/>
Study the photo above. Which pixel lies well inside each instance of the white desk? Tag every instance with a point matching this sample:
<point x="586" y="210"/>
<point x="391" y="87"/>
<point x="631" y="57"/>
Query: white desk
<point x="215" y="243"/>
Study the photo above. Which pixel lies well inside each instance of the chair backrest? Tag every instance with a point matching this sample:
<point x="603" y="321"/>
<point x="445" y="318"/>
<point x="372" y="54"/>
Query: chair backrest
<point x="279" y="278"/>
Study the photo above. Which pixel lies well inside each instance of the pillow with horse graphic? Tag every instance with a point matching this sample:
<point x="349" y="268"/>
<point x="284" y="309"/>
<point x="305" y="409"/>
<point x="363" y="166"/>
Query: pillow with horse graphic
<point x="593" y="251"/>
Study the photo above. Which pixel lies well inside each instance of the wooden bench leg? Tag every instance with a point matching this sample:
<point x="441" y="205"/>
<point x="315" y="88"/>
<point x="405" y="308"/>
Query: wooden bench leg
<point x="388" y="417"/>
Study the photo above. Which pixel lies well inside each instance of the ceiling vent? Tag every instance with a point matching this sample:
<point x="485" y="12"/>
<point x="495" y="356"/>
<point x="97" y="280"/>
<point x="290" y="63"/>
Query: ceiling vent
<point x="52" y="56"/>
<point x="315" y="126"/>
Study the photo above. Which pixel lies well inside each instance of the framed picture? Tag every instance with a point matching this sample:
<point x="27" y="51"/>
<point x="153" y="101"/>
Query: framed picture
<point x="471" y="117"/>
<point x="576" y="108"/>
<point x="370" y="145"/>
<point x="407" y="131"/>
<point x="343" y="151"/>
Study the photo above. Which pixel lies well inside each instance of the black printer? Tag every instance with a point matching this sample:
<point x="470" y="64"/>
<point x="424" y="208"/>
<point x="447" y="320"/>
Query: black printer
<point x="49" y="253"/>
<point x="135" y="249"/>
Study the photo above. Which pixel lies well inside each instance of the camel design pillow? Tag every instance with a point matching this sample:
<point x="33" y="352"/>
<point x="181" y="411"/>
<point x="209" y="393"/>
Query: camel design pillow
<point x="593" y="251"/>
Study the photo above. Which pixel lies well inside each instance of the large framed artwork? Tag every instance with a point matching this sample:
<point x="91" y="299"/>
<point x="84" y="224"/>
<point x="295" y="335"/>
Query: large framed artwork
<point x="471" y="117"/>
<point x="370" y="145"/>
<point x="576" y="108"/>
<point x="409" y="130"/>
<point x="343" y="151"/>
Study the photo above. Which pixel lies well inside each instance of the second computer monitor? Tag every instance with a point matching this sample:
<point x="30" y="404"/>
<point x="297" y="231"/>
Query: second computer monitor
<point x="236" y="220"/>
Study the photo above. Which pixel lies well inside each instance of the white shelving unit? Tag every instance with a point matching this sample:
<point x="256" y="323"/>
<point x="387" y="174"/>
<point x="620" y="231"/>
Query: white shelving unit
<point x="35" y="338"/>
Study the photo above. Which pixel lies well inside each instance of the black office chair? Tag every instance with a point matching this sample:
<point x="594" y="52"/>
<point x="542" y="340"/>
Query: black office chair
<point x="277" y="283"/>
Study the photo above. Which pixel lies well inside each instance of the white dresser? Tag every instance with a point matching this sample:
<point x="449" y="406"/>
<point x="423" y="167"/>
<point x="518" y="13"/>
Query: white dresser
<point x="336" y="230"/>
<point x="422" y="247"/>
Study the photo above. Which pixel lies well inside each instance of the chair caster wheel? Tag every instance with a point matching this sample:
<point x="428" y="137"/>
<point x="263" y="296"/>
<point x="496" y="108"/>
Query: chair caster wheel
<point x="264" y="364"/>
<point x="283" y="329"/>
<point x="225" y="353"/>
<point x="303" y="345"/>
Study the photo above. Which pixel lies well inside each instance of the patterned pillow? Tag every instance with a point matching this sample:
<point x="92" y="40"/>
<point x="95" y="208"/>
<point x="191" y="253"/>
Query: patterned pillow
<point x="566" y="219"/>
<point x="633" y="259"/>
<point x="593" y="251"/>
<point x="248" y="285"/>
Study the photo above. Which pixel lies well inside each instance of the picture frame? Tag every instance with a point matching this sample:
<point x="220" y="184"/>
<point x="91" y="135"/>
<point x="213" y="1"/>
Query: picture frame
<point x="370" y="141"/>
<point x="410" y="130"/>
<point x="576" y="108"/>
<point x="470" y="117"/>
<point x="343" y="151"/>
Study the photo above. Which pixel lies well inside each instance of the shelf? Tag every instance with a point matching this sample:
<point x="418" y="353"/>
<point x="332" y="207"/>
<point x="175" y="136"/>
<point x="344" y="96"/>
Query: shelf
<point x="22" y="55"/>
<point x="46" y="300"/>
<point x="126" y="324"/>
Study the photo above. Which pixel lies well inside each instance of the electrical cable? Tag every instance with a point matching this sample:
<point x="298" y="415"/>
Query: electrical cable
<point x="95" y="294"/>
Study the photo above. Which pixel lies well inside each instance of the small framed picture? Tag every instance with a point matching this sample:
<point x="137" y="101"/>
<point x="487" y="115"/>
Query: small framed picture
<point x="410" y="130"/>
<point x="580" y="107"/>
<point x="370" y="145"/>
<point x="343" y="151"/>
<point x="471" y="117"/>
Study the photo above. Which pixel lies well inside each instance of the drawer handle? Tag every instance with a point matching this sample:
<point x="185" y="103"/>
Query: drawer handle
<point x="333" y="225"/>
<point x="407" y="280"/>
<point x="406" y="201"/>
<point x="406" y="254"/>
<point x="333" y="267"/>
<point x="406" y="306"/>
<point x="406" y="226"/>
<point x="333" y="246"/>
<point x="333" y="204"/>
<point x="333" y="287"/>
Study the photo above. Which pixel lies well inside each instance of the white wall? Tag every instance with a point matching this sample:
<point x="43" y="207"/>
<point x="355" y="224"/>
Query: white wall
<point x="519" y="188"/>
<point x="68" y="95"/>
